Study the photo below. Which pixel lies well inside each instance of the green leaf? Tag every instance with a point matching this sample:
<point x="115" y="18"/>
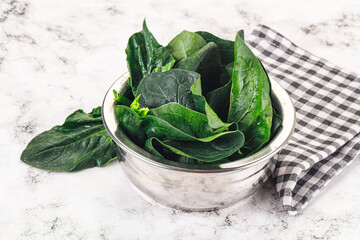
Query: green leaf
<point x="202" y="106"/>
<point x="188" y="121"/>
<point x="130" y="123"/>
<point x="219" y="100"/>
<point x="145" y="55"/>
<point x="218" y="149"/>
<point x="160" y="151"/>
<point x="241" y="34"/>
<point x="206" y="62"/>
<point x="188" y="160"/>
<point x="136" y="107"/>
<point x="250" y="102"/>
<point x="81" y="142"/>
<point x="276" y="122"/>
<point x="229" y="68"/>
<point x="174" y="85"/>
<point x="179" y="86"/>
<point x="138" y="128"/>
<point x="152" y="149"/>
<point x="277" y="119"/>
<point x="225" y="47"/>
<point x="185" y="44"/>
<point x="118" y="98"/>
<point x="214" y="121"/>
<point x="171" y="121"/>
<point x="127" y="91"/>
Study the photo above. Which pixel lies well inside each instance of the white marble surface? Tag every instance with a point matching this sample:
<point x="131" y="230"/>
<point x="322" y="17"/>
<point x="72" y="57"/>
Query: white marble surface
<point x="58" y="56"/>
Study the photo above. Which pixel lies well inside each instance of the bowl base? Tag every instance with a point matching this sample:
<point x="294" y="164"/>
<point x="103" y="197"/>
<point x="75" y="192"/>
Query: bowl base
<point x="165" y="205"/>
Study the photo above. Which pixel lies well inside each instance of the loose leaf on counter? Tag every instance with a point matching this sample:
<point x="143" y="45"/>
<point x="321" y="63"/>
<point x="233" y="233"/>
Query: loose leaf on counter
<point x="185" y="44"/>
<point x="217" y="149"/>
<point x="145" y="55"/>
<point x="206" y="62"/>
<point x="250" y="102"/>
<point x="81" y="142"/>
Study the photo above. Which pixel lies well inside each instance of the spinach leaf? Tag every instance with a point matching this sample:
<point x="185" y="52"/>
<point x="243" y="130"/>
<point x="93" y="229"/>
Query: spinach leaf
<point x="185" y="44"/>
<point x="277" y="119"/>
<point x="218" y="149"/>
<point x="120" y="99"/>
<point x="226" y="47"/>
<point x="127" y="91"/>
<point x="225" y="76"/>
<point x="219" y="100"/>
<point x="230" y="68"/>
<point x="146" y="55"/>
<point x="174" y="128"/>
<point x="180" y="86"/>
<point x="170" y="121"/>
<point x="184" y="159"/>
<point x="250" y="102"/>
<point x="157" y="149"/>
<point x="276" y="122"/>
<point x="174" y="85"/>
<point x="81" y="142"/>
<point x="241" y="34"/>
<point x="130" y="123"/>
<point x="214" y="121"/>
<point x="188" y="121"/>
<point x="202" y="106"/>
<point x="206" y="62"/>
<point x="136" y="107"/>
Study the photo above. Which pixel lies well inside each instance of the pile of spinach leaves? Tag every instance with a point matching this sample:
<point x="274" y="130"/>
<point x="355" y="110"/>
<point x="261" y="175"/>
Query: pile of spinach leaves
<point x="199" y="99"/>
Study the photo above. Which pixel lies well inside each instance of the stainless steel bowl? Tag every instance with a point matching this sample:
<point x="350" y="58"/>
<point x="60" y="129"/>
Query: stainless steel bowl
<point x="196" y="187"/>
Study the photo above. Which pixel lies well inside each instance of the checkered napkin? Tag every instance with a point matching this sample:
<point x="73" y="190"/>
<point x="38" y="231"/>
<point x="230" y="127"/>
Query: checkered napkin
<point x="327" y="102"/>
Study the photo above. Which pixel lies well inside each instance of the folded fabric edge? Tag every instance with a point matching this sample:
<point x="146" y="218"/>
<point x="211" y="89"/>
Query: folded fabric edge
<point x="294" y="209"/>
<point x="293" y="213"/>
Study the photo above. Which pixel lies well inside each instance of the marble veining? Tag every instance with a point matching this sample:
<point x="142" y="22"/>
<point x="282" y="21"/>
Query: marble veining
<point x="59" y="56"/>
<point x="12" y="7"/>
<point x="341" y="25"/>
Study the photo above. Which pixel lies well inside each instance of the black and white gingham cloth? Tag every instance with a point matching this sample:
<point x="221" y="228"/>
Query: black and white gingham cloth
<point x="327" y="102"/>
